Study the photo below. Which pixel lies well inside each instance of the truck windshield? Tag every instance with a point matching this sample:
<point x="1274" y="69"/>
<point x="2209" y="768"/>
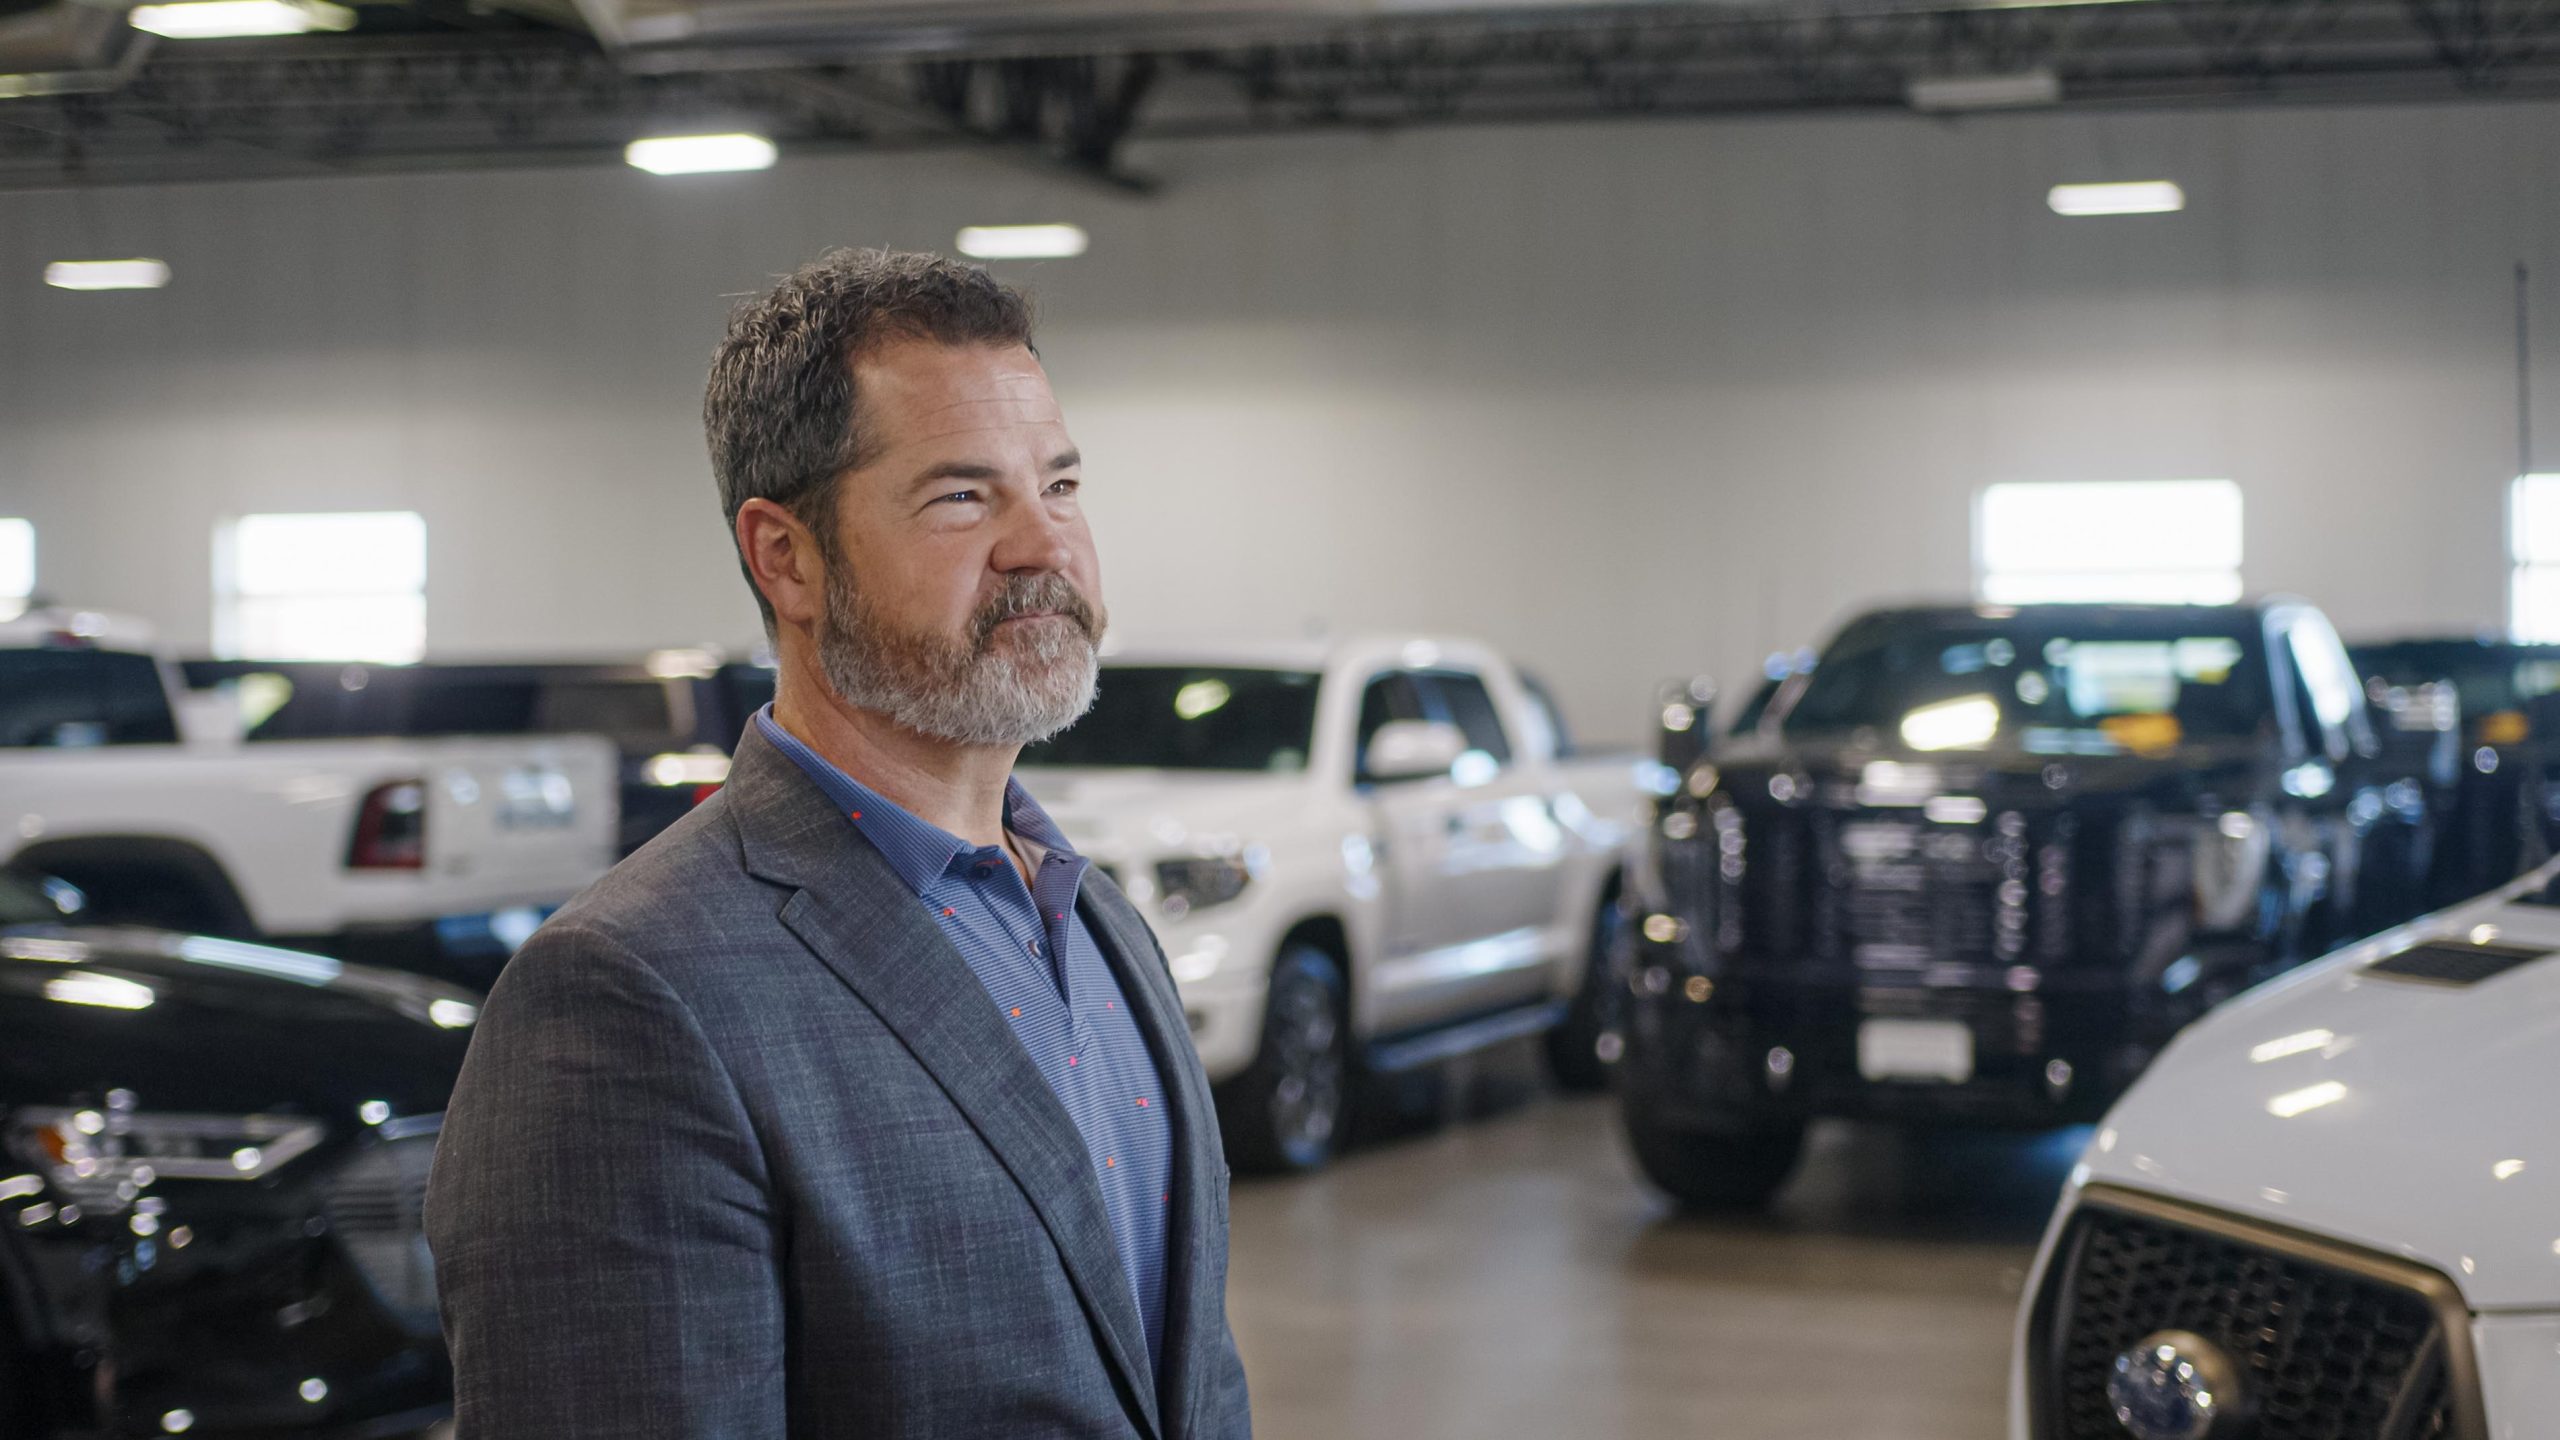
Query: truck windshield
<point x="2039" y="684"/>
<point x="68" y="699"/>
<point x="1178" y="717"/>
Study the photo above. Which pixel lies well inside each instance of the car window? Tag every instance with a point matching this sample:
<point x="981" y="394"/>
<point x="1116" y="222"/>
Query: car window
<point x="1190" y="717"/>
<point x="67" y="699"/>
<point x="2061" y="683"/>
<point x="638" y="716"/>
<point x="1465" y="703"/>
<point x="1544" y="701"/>
<point x="1386" y="698"/>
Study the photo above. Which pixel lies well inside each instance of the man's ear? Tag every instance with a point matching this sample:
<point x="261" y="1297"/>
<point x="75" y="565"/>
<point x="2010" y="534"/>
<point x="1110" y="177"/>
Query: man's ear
<point x="782" y="556"/>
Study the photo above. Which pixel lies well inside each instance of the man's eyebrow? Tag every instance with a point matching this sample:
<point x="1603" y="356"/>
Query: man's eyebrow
<point x="951" y="470"/>
<point x="1068" y="460"/>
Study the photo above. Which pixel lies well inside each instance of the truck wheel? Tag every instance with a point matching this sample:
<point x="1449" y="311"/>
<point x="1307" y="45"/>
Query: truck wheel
<point x="1573" y="1047"/>
<point x="1285" y="1112"/>
<point x="1715" y="1170"/>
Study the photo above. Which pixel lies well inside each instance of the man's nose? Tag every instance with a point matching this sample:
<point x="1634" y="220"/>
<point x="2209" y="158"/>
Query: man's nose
<point x="1033" y="540"/>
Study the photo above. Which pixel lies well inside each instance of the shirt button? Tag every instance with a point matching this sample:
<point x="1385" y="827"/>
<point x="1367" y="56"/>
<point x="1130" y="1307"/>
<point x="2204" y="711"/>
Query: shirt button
<point x="1035" y="947"/>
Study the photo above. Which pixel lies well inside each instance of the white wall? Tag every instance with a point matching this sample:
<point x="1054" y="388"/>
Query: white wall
<point x="1631" y="399"/>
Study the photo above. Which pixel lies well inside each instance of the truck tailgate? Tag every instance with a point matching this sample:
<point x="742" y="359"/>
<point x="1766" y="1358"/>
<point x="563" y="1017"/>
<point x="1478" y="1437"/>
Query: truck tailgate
<point x="519" y="820"/>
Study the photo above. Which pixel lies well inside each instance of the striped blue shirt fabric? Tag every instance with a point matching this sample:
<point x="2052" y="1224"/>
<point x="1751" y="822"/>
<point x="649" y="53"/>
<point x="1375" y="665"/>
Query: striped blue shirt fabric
<point x="1040" y="964"/>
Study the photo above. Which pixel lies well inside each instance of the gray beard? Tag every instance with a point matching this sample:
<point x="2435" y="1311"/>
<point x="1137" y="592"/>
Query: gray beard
<point x="1013" y="689"/>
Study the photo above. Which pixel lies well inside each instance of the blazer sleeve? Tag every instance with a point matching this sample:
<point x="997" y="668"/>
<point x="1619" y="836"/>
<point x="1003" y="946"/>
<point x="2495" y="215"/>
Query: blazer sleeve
<point x="601" y="1218"/>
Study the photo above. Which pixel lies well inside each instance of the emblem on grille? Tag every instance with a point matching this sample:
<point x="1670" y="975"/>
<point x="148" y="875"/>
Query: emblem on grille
<point x="2175" y="1385"/>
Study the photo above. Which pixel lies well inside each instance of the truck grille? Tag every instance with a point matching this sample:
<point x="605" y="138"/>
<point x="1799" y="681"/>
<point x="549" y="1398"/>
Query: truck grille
<point x="1911" y="893"/>
<point x="2335" y="1345"/>
<point x="374" y="1204"/>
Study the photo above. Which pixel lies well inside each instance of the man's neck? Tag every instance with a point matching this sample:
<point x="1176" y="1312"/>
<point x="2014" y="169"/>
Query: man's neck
<point x="957" y="787"/>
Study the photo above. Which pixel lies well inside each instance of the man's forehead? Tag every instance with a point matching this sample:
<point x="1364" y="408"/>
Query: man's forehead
<point x="920" y="390"/>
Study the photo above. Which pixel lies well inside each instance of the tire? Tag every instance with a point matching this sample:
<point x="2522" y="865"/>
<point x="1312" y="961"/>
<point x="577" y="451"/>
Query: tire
<point x="1573" y="1047"/>
<point x="1715" y="1170"/>
<point x="1288" y="1110"/>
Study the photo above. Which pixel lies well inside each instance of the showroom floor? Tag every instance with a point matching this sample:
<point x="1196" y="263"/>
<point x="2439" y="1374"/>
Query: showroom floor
<point x="1507" y="1275"/>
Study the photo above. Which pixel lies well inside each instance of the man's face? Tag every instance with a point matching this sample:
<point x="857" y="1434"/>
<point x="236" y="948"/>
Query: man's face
<point x="963" y="597"/>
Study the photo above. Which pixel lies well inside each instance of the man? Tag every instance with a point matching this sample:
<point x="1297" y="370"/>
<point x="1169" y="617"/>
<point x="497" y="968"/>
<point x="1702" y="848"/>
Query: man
<point x="855" y="1104"/>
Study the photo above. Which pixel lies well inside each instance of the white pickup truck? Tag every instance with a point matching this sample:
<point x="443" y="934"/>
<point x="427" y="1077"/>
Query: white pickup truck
<point x="432" y="854"/>
<point x="1360" y="856"/>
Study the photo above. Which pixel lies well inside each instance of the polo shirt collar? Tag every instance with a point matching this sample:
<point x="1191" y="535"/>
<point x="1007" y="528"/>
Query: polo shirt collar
<point x="919" y="851"/>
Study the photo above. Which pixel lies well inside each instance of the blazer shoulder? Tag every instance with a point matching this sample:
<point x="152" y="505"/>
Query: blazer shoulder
<point x="687" y="886"/>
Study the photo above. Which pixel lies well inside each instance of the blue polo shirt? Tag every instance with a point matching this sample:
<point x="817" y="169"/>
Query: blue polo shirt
<point x="1042" y="967"/>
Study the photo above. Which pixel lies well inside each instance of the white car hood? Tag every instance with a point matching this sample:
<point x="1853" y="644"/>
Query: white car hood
<point x="1124" y="815"/>
<point x="2414" y="1119"/>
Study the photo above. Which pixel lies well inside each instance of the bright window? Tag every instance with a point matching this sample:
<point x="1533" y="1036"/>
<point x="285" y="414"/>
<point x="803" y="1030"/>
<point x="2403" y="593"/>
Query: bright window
<point x="2169" y="541"/>
<point x="2533" y="541"/>
<point x="17" y="567"/>
<point x="322" y="587"/>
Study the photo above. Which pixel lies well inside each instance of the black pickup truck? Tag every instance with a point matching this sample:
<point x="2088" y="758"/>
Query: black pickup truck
<point x="1979" y="864"/>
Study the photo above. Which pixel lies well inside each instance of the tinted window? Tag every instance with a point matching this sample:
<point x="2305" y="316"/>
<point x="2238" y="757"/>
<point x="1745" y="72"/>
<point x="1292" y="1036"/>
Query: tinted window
<point x="71" y="698"/>
<point x="634" y="714"/>
<point x="1463" y="702"/>
<point x="2053" y="686"/>
<point x="2486" y="678"/>
<point x="1174" y="717"/>
<point x="440" y="706"/>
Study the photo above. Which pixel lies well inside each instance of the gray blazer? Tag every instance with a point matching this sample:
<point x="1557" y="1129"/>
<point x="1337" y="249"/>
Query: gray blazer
<point x="743" y="1151"/>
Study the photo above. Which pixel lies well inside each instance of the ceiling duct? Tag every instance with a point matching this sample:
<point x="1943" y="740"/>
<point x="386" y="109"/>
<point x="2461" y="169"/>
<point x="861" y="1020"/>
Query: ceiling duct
<point x="993" y="28"/>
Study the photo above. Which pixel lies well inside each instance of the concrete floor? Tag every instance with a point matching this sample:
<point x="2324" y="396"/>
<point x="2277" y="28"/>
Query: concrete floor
<point x="1506" y="1274"/>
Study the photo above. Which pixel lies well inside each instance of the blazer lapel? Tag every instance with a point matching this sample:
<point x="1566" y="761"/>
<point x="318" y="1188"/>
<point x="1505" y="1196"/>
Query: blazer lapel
<point x="1195" y="1277"/>
<point x="862" y="921"/>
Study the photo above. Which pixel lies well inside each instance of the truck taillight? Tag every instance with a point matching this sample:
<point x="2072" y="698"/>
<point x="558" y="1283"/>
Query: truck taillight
<point x="391" y="828"/>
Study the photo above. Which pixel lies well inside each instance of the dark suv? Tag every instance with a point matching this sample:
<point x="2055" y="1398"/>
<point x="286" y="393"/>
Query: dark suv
<point x="1979" y="864"/>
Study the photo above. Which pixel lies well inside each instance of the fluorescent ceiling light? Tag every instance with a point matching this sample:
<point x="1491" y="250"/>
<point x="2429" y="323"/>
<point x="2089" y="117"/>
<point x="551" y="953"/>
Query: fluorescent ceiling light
<point x="1022" y="242"/>
<point x="1945" y="93"/>
<point x="224" y="19"/>
<point x="2131" y="197"/>
<point x="107" y="274"/>
<point x="700" y="154"/>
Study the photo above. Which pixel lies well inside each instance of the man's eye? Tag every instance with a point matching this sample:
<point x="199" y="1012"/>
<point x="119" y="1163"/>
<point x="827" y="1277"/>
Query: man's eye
<point x="1067" y="485"/>
<point x="955" y="495"/>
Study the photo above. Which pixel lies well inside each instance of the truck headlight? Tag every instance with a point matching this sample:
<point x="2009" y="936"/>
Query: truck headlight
<point x="1187" y="885"/>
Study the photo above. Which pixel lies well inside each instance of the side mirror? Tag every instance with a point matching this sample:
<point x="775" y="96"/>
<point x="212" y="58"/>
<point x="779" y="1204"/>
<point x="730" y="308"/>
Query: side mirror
<point x="1413" y="750"/>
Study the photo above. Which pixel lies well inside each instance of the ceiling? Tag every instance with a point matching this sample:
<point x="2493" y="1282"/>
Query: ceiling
<point x="1065" y="84"/>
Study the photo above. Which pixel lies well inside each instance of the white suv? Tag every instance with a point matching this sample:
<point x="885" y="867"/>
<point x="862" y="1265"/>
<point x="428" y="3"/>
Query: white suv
<point x="2331" y="1208"/>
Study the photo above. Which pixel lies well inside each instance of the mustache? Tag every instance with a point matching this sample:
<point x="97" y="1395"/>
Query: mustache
<point x="1022" y="595"/>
